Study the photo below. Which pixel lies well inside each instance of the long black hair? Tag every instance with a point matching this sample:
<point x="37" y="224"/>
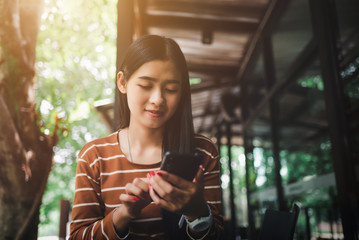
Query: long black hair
<point x="179" y="130"/>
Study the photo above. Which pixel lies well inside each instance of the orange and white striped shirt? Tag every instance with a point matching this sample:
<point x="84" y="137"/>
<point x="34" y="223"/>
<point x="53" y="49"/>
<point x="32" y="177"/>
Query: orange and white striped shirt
<point x="101" y="176"/>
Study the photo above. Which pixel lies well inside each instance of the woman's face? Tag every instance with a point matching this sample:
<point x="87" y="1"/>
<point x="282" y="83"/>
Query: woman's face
<point x="153" y="93"/>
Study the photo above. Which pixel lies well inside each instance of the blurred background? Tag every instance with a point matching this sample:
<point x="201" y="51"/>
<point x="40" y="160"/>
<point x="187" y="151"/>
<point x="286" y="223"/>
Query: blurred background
<point x="274" y="83"/>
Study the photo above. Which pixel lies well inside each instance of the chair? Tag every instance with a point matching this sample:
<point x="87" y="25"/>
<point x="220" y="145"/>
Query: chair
<point x="278" y="225"/>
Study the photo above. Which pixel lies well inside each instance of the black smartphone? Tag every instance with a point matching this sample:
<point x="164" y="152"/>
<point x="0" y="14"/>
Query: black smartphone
<point x="184" y="165"/>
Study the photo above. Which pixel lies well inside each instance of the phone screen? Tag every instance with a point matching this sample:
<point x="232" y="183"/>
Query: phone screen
<point x="184" y="165"/>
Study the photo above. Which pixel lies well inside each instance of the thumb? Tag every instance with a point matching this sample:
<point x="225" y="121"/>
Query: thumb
<point x="199" y="179"/>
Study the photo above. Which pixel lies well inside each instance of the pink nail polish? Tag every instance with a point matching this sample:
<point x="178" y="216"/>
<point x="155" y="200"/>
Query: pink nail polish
<point x="152" y="173"/>
<point x="159" y="174"/>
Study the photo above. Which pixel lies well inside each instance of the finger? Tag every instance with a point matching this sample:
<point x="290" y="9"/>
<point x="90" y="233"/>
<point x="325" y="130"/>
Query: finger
<point x="146" y="180"/>
<point x="133" y="189"/>
<point x="174" y="180"/>
<point x="154" y="196"/>
<point x="168" y="205"/>
<point x="199" y="179"/>
<point x="161" y="186"/>
<point x="142" y="185"/>
<point x="126" y="198"/>
<point x="169" y="193"/>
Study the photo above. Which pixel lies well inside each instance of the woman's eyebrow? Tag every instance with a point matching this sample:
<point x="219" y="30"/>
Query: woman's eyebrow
<point x="154" y="79"/>
<point x="148" y="78"/>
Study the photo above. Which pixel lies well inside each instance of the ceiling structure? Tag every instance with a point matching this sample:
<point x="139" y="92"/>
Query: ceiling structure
<point x="216" y="37"/>
<point x="220" y="40"/>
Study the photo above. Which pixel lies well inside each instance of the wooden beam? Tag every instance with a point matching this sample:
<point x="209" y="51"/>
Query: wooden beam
<point x="194" y="21"/>
<point x="271" y="16"/>
<point x="213" y="71"/>
<point x="207" y="87"/>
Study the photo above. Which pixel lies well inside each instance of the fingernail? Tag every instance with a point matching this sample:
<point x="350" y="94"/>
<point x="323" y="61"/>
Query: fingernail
<point x="136" y="199"/>
<point x="152" y="173"/>
<point x="159" y="173"/>
<point x="149" y="176"/>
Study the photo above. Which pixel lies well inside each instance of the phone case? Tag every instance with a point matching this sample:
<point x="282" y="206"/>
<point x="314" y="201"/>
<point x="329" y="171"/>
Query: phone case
<point x="184" y="165"/>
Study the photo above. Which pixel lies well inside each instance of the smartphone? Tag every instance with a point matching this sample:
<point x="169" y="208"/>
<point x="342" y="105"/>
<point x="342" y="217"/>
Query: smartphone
<point x="184" y="165"/>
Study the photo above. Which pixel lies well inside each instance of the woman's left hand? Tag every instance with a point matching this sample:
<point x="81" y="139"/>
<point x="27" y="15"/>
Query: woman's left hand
<point x="176" y="194"/>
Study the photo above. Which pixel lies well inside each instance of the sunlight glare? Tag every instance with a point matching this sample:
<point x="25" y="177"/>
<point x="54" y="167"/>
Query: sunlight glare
<point x="45" y="107"/>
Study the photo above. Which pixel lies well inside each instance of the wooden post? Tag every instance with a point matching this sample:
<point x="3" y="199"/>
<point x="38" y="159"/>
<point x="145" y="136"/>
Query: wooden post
<point x="64" y="218"/>
<point x="325" y="31"/>
<point x="125" y="31"/>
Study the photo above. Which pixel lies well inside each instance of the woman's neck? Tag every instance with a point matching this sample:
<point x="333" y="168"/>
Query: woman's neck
<point x="146" y="136"/>
<point x="144" y="146"/>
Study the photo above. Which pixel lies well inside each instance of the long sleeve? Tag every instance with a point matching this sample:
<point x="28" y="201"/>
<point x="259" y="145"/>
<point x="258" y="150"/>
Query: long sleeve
<point x="212" y="185"/>
<point x="101" y="176"/>
<point x="88" y="219"/>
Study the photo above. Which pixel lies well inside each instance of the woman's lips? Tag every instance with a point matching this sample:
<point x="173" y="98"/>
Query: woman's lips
<point x="154" y="113"/>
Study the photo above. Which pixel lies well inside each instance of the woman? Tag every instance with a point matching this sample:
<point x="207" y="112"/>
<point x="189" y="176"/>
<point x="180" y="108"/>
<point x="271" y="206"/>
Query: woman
<point x="121" y="193"/>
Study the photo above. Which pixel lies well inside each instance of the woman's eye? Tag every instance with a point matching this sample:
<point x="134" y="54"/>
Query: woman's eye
<point x="145" y="86"/>
<point x="170" y="90"/>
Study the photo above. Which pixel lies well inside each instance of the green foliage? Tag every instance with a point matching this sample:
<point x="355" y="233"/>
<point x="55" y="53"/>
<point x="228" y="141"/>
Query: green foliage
<point x="264" y="168"/>
<point x="312" y="82"/>
<point x="238" y="166"/>
<point x="194" y="81"/>
<point x="309" y="162"/>
<point x="76" y="56"/>
<point x="296" y="165"/>
<point x="351" y="89"/>
<point x="239" y="182"/>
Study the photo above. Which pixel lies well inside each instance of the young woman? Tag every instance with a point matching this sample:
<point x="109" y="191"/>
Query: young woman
<point x="121" y="193"/>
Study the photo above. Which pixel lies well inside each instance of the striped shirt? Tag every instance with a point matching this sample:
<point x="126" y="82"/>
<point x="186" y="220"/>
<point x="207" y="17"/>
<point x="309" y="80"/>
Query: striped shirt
<point x="101" y="176"/>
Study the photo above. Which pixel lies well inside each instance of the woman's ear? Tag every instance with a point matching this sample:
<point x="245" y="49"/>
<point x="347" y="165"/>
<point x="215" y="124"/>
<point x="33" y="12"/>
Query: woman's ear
<point x="121" y="83"/>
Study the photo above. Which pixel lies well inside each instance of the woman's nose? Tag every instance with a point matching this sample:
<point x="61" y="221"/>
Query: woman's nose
<point x="157" y="97"/>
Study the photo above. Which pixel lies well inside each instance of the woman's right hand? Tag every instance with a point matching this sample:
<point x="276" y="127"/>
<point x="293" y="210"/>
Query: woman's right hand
<point x="133" y="201"/>
<point x="136" y="197"/>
